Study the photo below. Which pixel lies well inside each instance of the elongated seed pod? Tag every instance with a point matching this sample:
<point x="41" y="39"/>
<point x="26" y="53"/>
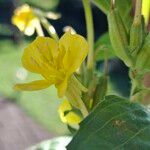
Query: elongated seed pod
<point x="118" y="37"/>
<point x="136" y="38"/>
<point x="144" y="55"/>
<point x="136" y="31"/>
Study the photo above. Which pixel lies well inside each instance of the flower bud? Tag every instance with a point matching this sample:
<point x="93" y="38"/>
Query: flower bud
<point x="136" y="38"/>
<point x="144" y="55"/>
<point x="118" y="37"/>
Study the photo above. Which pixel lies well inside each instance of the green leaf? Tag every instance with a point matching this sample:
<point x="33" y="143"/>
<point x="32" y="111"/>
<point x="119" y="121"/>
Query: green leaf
<point x="142" y="62"/>
<point x="115" y="124"/>
<point x="101" y="46"/>
<point x="103" y="5"/>
<point x="44" y="4"/>
<point x="124" y="8"/>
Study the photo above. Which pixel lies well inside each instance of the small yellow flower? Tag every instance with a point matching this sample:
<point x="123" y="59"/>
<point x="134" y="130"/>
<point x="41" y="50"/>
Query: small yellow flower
<point x="55" y="61"/>
<point x="70" y="117"/>
<point x="25" y="19"/>
<point x="146" y="10"/>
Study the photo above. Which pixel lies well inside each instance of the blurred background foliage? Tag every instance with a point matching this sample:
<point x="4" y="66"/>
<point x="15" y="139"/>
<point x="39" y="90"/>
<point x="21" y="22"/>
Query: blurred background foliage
<point x="44" y="4"/>
<point x="42" y="105"/>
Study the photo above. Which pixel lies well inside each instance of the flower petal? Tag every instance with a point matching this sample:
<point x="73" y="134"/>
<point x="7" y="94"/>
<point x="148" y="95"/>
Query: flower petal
<point x="146" y="10"/>
<point x="76" y="51"/>
<point x="23" y="17"/>
<point x="32" y="86"/>
<point x="62" y="87"/>
<point x="71" y="117"/>
<point x="39" y="56"/>
<point x="29" y="30"/>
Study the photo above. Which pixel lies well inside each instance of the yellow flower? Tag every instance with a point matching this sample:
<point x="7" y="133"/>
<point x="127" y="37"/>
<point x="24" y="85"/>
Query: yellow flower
<point x="66" y="115"/>
<point x="55" y="61"/>
<point x="25" y="19"/>
<point x="146" y="10"/>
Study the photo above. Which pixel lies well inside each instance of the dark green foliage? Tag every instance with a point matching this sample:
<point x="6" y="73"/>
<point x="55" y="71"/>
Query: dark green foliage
<point x="115" y="124"/>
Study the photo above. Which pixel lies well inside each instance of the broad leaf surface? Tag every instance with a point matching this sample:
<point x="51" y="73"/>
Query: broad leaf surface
<point x="115" y="124"/>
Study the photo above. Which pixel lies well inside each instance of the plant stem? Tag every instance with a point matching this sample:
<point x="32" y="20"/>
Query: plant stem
<point x="112" y="4"/>
<point x="138" y="8"/>
<point x="50" y="29"/>
<point x="135" y="95"/>
<point x="90" y="33"/>
<point x="106" y="68"/>
<point x="136" y="83"/>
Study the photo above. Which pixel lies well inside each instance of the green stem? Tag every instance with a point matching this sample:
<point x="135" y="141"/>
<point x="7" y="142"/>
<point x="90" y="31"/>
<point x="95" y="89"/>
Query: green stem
<point x="136" y="97"/>
<point x="90" y="33"/>
<point x="83" y="73"/>
<point x="135" y="94"/>
<point x="138" y="8"/>
<point x="106" y="68"/>
<point x="50" y="29"/>
<point x="112" y="3"/>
